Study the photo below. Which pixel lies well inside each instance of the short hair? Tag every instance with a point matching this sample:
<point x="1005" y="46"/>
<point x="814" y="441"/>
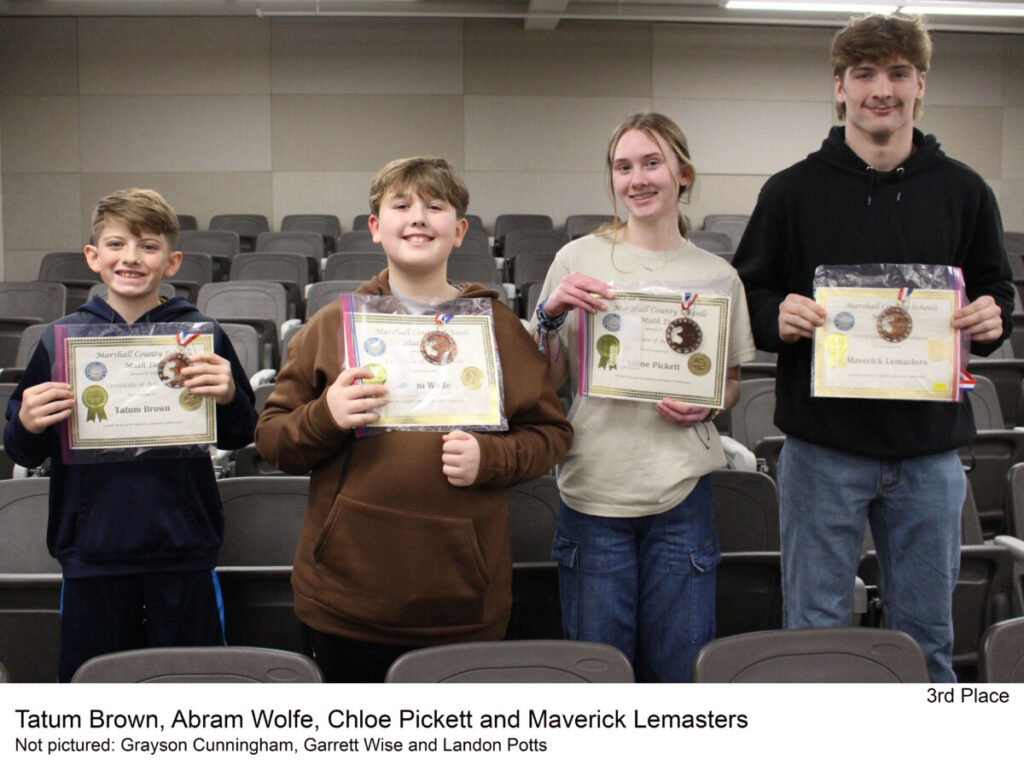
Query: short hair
<point x="653" y="125"/>
<point x="140" y="210"/>
<point x="877" y="39"/>
<point x="425" y="176"/>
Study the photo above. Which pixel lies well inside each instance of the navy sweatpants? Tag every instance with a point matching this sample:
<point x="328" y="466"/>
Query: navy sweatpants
<point x="107" y="614"/>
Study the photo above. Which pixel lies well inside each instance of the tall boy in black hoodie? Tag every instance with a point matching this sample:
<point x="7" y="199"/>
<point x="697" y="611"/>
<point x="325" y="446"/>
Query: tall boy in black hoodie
<point x="878" y="191"/>
<point x="137" y="539"/>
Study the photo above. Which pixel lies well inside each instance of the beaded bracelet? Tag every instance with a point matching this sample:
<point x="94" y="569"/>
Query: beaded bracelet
<point x="547" y="324"/>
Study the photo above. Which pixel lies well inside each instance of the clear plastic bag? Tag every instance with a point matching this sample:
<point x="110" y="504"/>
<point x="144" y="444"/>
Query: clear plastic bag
<point x="658" y="339"/>
<point x="437" y="357"/>
<point x="130" y="396"/>
<point x="888" y="333"/>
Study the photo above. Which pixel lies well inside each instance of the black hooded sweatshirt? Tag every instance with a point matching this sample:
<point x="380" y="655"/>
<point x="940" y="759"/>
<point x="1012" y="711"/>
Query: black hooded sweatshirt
<point x="137" y="515"/>
<point x="833" y="208"/>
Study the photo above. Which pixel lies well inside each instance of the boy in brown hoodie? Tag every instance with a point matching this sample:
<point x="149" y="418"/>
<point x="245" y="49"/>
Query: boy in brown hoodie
<point x="405" y="541"/>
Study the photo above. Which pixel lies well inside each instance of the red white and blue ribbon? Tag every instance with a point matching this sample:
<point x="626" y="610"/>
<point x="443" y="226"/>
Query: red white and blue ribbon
<point x="184" y="338"/>
<point x="688" y="299"/>
<point x="904" y="293"/>
<point x="967" y="382"/>
<point x="443" y="318"/>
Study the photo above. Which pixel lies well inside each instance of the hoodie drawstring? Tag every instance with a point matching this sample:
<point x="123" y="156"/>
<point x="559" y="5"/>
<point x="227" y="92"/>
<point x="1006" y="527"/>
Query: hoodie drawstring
<point x="873" y="182"/>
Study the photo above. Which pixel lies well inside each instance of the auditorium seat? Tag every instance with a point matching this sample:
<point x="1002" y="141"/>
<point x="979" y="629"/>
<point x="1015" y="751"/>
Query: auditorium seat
<point x="220" y="246"/>
<point x="259" y="303"/>
<point x="328" y="226"/>
<point x="173" y="665"/>
<point x="517" y="222"/>
<point x="355" y="264"/>
<point x="262" y="519"/>
<point x="812" y="655"/>
<point x="540" y="660"/>
<point x="24" y="304"/>
<point x="1002" y="652"/>
<point x="247" y="226"/>
<point x="732" y="226"/>
<point x="73" y="272"/>
<point x="289" y="269"/>
<point x="712" y="241"/>
<point x="577" y="226"/>
<point x="30" y="583"/>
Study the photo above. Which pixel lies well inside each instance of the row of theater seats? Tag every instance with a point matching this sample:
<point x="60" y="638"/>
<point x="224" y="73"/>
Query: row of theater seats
<point x="263" y="517"/>
<point x="829" y="655"/>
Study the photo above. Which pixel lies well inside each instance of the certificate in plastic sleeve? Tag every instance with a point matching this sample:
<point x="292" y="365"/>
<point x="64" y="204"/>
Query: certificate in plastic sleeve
<point x="649" y="346"/>
<point x="441" y="369"/>
<point x="887" y="343"/>
<point x="130" y="393"/>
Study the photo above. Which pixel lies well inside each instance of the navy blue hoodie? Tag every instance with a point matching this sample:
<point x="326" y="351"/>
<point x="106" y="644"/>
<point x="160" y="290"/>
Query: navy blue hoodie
<point x="832" y="208"/>
<point x="139" y="515"/>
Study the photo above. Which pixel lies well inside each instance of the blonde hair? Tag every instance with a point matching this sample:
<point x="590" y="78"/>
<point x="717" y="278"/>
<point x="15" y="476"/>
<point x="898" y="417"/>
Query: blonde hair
<point x="424" y="176"/>
<point x="140" y="210"/>
<point x="654" y="125"/>
<point x="877" y="39"/>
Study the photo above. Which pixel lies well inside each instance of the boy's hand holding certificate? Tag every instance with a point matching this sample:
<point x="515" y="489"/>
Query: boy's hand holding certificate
<point x="888" y="343"/>
<point x="653" y="344"/>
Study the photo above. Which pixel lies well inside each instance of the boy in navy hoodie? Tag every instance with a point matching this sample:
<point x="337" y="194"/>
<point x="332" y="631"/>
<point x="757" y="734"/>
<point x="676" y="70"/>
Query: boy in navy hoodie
<point x="137" y="539"/>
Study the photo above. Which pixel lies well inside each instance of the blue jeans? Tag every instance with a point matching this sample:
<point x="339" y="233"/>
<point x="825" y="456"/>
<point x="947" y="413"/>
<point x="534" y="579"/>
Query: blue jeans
<point x="913" y="506"/>
<point x="643" y="584"/>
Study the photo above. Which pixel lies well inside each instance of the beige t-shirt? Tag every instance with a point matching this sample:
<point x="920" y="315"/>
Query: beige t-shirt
<point x="626" y="460"/>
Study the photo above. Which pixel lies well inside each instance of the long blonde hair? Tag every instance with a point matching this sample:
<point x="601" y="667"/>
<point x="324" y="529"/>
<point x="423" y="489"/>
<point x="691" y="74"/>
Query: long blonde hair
<point x="654" y="125"/>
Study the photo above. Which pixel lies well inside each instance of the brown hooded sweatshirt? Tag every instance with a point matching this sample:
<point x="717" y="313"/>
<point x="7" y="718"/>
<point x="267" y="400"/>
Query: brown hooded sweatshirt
<point x="390" y="552"/>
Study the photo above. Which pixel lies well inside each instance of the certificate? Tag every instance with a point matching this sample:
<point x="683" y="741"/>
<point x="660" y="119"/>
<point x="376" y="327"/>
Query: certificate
<point x="129" y="391"/>
<point x="876" y="345"/>
<point x="648" y="346"/>
<point x="441" y="371"/>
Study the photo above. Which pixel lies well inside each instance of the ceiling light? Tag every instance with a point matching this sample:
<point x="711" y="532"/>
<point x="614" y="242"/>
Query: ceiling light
<point x="823" y="7"/>
<point x="965" y="9"/>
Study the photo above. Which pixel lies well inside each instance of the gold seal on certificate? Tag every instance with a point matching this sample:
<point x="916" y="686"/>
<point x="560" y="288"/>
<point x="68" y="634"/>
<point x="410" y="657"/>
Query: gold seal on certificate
<point x="190" y="401"/>
<point x="472" y="378"/>
<point x="142" y="401"/>
<point x="645" y="347"/>
<point x="94" y="398"/>
<point x="886" y="343"/>
<point x="699" y="364"/>
<point x="380" y="374"/>
<point x="442" y="370"/>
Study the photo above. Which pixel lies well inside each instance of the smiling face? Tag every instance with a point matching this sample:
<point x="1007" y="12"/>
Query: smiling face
<point x="131" y="266"/>
<point x="647" y="176"/>
<point x="880" y="99"/>
<point x="417" y="232"/>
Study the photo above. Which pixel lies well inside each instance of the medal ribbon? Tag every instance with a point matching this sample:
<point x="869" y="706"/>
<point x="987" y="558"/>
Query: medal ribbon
<point x="443" y="318"/>
<point x="184" y="338"/>
<point x="688" y="299"/>
<point x="967" y="382"/>
<point x="903" y="294"/>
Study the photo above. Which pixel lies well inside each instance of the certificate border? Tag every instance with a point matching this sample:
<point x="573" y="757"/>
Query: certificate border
<point x="492" y="418"/>
<point x="820" y="389"/>
<point x="78" y="443"/>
